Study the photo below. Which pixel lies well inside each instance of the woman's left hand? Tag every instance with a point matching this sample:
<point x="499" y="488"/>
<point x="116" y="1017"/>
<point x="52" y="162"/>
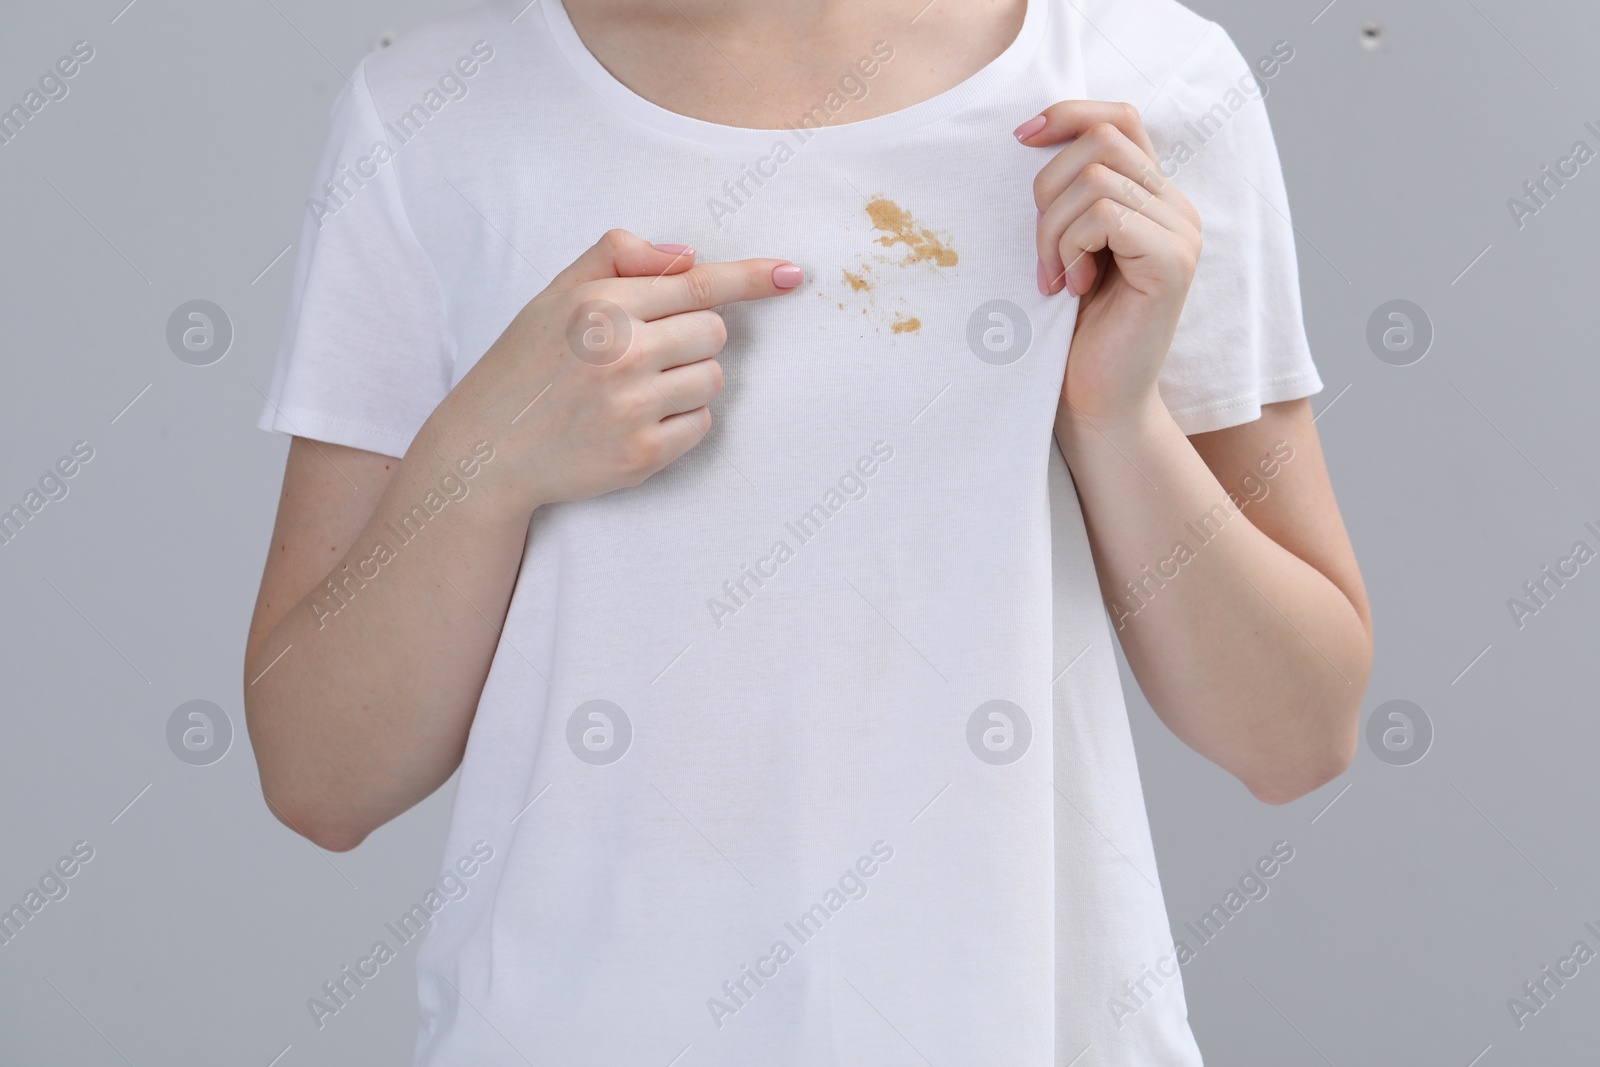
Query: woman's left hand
<point x="1115" y="232"/>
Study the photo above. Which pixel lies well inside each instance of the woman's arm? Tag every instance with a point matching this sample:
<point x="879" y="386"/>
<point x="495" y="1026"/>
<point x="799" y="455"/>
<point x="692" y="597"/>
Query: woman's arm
<point x="389" y="579"/>
<point x="359" y="702"/>
<point x="1247" y="628"/>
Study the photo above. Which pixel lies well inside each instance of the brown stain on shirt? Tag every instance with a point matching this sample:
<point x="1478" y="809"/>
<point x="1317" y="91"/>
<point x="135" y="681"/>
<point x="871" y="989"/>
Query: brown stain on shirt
<point x="910" y="325"/>
<point x="856" y="281"/>
<point x="922" y="244"/>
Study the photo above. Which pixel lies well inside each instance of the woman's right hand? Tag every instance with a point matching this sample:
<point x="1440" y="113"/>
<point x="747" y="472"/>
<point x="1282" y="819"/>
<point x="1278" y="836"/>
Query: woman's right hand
<point x="603" y="378"/>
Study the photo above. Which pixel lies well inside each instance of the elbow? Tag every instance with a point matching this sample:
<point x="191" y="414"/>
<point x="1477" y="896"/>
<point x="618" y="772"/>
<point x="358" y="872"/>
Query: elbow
<point x="300" y="806"/>
<point x="1323" y="748"/>
<point x="1280" y="792"/>
<point x="1306" y="777"/>
<point x="311" y="816"/>
<point x="334" y="838"/>
<point x="313" y="824"/>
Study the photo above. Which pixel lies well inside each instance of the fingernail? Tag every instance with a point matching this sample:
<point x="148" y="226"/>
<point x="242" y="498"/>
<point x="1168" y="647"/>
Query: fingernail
<point x="1066" y="283"/>
<point x="1029" y="128"/>
<point x="1044" y="280"/>
<point x="674" y="250"/>
<point x="787" y="276"/>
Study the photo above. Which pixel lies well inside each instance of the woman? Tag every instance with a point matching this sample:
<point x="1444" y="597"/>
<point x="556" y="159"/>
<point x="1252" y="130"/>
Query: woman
<point x="749" y="570"/>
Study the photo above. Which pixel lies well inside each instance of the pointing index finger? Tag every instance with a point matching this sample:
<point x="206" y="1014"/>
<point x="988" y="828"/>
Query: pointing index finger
<point x="708" y="285"/>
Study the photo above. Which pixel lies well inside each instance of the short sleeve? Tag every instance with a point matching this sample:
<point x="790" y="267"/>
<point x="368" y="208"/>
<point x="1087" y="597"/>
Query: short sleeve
<point x="365" y="354"/>
<point x="1241" y="339"/>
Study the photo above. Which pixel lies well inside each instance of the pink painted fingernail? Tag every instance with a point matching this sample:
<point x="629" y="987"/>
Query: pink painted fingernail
<point x="1066" y="283"/>
<point x="674" y="250"/>
<point x="787" y="276"/>
<point x="1044" y="280"/>
<point x="1029" y="128"/>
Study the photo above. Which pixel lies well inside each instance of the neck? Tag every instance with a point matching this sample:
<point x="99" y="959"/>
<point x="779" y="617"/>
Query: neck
<point x="807" y="20"/>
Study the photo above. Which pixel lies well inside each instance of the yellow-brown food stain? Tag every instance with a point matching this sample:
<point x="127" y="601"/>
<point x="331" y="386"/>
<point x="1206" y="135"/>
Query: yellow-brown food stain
<point x="910" y="325"/>
<point x="856" y="281"/>
<point x="922" y="244"/>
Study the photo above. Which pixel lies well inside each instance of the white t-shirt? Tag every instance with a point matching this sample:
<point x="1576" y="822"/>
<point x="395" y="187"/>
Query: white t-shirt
<point x="811" y="749"/>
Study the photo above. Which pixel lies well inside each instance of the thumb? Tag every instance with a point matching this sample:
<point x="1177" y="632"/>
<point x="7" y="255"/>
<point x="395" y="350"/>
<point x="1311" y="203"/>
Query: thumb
<point x="620" y="254"/>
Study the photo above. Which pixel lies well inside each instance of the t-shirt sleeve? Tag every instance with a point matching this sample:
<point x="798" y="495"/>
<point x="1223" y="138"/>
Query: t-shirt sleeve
<point x="365" y="354"/>
<point x="1241" y="339"/>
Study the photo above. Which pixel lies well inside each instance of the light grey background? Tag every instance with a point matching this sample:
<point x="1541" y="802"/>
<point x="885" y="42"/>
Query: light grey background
<point x="1420" y="898"/>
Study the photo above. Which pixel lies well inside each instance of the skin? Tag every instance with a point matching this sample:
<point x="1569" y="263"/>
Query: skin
<point x="1256" y="655"/>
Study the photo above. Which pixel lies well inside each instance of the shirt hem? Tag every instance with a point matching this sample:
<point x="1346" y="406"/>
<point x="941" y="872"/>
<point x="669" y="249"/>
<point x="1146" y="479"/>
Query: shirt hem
<point x="334" y="430"/>
<point x="1238" y="410"/>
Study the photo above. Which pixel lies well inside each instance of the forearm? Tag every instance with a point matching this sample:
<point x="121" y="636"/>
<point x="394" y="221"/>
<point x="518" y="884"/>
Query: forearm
<point x="1250" y="654"/>
<point x="360" y="698"/>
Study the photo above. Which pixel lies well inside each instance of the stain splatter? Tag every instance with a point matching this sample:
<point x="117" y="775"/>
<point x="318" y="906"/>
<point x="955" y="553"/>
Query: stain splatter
<point x="856" y="281"/>
<point x="910" y="325"/>
<point x="922" y="244"/>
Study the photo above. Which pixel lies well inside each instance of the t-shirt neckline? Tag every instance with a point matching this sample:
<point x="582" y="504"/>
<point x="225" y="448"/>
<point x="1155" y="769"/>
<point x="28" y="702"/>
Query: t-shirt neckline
<point x="876" y="130"/>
